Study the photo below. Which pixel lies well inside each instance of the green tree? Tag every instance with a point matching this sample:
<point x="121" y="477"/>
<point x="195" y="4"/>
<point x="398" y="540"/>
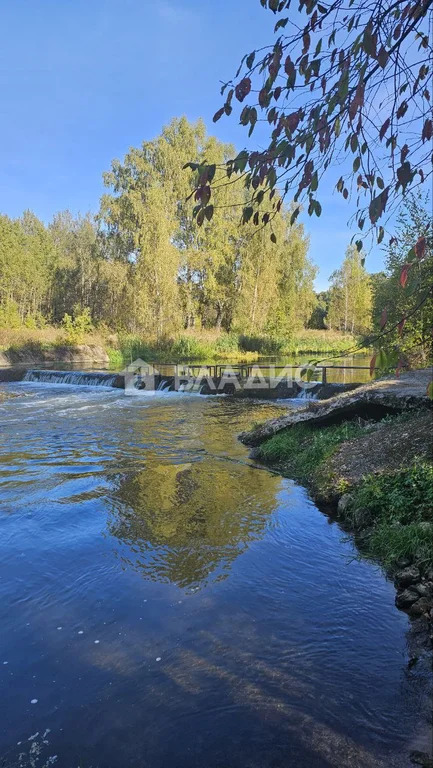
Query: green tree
<point x="76" y="258"/>
<point x="350" y="295"/>
<point x="403" y="301"/>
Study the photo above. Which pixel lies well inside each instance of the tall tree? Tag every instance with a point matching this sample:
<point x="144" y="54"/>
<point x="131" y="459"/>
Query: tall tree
<point x="350" y="295"/>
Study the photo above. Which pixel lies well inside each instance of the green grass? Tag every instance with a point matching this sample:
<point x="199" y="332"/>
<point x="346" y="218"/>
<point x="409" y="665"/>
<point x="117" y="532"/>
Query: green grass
<point x="395" y="509"/>
<point x="304" y="448"/>
<point x="186" y="348"/>
<point x="400" y="507"/>
<point x="301" y="342"/>
<point x="189" y="346"/>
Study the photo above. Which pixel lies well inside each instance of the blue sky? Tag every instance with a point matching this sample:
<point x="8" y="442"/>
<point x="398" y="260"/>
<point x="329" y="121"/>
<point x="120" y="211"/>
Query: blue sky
<point x="83" y="80"/>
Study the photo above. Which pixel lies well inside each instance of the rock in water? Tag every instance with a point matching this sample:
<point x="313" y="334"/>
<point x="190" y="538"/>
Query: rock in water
<point x="406" y="577"/>
<point x="344" y="504"/>
<point x="421" y="606"/>
<point x="421" y="758"/>
<point x="406" y="598"/>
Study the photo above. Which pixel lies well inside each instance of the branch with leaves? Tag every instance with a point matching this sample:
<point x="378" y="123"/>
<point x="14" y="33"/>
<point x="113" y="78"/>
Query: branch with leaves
<point x="347" y="86"/>
<point x="344" y="84"/>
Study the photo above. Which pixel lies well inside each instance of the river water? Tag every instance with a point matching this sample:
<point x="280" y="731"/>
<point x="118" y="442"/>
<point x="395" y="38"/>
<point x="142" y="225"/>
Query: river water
<point x="166" y="604"/>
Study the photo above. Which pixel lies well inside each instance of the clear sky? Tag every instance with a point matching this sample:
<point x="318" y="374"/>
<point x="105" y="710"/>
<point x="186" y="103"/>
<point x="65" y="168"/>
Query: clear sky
<point x="83" y="80"/>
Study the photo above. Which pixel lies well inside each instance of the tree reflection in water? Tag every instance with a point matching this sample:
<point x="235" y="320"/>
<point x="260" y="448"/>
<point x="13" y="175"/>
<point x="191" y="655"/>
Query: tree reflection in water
<point x="186" y="523"/>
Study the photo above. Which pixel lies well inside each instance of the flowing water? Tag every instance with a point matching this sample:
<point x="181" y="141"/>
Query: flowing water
<point x="166" y="604"/>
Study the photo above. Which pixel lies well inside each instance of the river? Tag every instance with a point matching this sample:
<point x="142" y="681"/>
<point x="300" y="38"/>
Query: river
<point x="166" y="604"/>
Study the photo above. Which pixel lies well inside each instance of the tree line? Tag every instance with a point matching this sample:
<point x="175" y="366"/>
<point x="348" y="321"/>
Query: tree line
<point x="142" y="265"/>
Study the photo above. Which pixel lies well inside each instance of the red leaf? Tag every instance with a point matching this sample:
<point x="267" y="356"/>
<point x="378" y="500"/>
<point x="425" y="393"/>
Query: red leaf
<point x="243" y="88"/>
<point x="404" y="274"/>
<point x="401" y="325"/>
<point x="383" y="319"/>
<point x="382" y="57"/>
<point x="264" y="98"/>
<point x="292" y="121"/>
<point x="401" y="111"/>
<point x="372" y="364"/>
<point x="384" y="128"/>
<point x="427" y="131"/>
<point x="420" y="247"/>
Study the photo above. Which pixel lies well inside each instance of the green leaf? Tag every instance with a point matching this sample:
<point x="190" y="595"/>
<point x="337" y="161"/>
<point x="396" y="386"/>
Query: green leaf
<point x="218" y="114"/>
<point x="294" y="216"/>
<point x="246" y="214"/>
<point x="354" y="142"/>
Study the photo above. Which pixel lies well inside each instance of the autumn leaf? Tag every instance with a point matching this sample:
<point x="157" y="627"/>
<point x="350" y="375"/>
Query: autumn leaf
<point x="372" y="364"/>
<point x="404" y="274"/>
<point x="384" y="128"/>
<point x="420" y="247"/>
<point x="427" y="131"/>
<point x="401" y="325"/>
<point x="243" y="88"/>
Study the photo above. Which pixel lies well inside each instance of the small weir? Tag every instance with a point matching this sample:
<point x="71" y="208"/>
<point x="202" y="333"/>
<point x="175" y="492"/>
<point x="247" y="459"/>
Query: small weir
<point x="274" y="383"/>
<point x="76" y="378"/>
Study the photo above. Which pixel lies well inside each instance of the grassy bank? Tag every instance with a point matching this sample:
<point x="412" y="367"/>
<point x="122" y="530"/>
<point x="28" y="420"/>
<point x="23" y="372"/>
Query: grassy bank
<point x="188" y="346"/>
<point x="392" y="511"/>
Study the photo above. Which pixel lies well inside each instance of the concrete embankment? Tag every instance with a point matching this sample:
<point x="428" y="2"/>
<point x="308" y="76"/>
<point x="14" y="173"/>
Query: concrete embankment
<point x="38" y="354"/>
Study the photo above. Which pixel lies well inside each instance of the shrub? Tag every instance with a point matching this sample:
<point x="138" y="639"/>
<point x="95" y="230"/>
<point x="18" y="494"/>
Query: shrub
<point x="78" y="326"/>
<point x="264" y="345"/>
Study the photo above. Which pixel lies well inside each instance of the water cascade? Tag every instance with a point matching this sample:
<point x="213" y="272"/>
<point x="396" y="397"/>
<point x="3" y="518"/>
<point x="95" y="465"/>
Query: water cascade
<point x="76" y="378"/>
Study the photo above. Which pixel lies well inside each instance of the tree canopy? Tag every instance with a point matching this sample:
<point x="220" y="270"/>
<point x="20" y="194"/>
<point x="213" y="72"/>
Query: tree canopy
<point x="143" y="266"/>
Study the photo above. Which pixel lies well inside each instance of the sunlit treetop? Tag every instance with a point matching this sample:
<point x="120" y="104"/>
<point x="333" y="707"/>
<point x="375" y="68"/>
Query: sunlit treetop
<point x="345" y="84"/>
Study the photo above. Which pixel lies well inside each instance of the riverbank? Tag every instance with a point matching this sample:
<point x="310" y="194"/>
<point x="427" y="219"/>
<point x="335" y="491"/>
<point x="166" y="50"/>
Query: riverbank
<point x="371" y="468"/>
<point x="50" y="344"/>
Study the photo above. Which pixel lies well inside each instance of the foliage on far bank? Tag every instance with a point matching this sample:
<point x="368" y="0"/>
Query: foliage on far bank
<point x="402" y="296"/>
<point x="187" y="346"/>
